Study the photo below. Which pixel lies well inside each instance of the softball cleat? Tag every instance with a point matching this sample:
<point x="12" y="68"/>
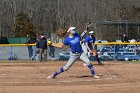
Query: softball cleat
<point x="49" y="77"/>
<point x="96" y="77"/>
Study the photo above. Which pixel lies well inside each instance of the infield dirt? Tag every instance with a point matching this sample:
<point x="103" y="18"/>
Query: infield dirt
<point x="115" y="77"/>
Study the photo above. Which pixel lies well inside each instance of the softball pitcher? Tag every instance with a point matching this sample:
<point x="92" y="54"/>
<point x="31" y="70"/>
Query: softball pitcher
<point x="87" y="46"/>
<point x="73" y="41"/>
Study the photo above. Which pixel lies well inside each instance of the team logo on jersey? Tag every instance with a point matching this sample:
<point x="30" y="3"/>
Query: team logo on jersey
<point x="91" y="41"/>
<point x="75" y="40"/>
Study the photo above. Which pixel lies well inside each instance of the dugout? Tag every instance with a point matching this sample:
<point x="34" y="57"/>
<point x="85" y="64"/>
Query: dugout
<point x="4" y="40"/>
<point x="22" y="40"/>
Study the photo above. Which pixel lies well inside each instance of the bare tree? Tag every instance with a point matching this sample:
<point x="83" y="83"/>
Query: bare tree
<point x="49" y="15"/>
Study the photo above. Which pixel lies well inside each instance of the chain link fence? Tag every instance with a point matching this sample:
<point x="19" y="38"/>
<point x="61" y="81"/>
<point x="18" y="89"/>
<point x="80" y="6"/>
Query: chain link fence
<point x="106" y="52"/>
<point x="27" y="53"/>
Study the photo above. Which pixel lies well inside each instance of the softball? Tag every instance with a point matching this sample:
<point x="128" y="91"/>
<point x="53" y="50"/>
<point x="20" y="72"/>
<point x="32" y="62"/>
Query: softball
<point x="49" y="42"/>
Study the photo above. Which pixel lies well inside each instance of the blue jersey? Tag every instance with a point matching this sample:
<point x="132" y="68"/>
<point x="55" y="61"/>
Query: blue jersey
<point x="73" y="43"/>
<point x="89" y="40"/>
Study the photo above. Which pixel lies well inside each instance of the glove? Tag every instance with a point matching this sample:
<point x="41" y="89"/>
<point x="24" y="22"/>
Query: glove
<point x="94" y="53"/>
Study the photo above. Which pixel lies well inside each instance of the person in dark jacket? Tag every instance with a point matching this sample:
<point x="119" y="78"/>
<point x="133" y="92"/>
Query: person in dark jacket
<point x="125" y="38"/>
<point x="42" y="47"/>
<point x="30" y="49"/>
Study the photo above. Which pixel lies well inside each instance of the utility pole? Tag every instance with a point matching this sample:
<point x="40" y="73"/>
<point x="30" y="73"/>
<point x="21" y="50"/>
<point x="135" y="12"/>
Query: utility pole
<point x="0" y="26"/>
<point x="14" y="8"/>
<point x="126" y="27"/>
<point x="58" y="13"/>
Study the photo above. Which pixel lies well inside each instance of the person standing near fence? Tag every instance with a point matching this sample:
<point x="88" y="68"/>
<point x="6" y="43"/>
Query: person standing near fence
<point x="73" y="41"/>
<point x="51" y="50"/>
<point x="30" y="49"/>
<point x="88" y="46"/>
<point x="42" y="48"/>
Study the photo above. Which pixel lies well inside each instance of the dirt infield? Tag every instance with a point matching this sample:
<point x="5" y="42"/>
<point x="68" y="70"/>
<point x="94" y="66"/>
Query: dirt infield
<point x="116" y="77"/>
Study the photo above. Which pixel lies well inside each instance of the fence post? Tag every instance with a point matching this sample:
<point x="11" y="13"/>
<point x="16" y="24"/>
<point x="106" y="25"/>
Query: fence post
<point x="58" y="54"/>
<point x="11" y="54"/>
<point x="35" y="55"/>
<point x="114" y="52"/>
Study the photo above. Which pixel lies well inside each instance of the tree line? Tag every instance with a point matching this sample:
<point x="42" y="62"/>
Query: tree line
<point x="21" y="17"/>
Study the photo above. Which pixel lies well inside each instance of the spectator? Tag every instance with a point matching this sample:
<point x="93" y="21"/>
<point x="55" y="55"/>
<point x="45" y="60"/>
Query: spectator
<point x="99" y="41"/>
<point x="138" y="40"/>
<point x="42" y="48"/>
<point x="30" y="49"/>
<point x="132" y="40"/>
<point x="108" y="40"/>
<point x="52" y="50"/>
<point x="125" y="38"/>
